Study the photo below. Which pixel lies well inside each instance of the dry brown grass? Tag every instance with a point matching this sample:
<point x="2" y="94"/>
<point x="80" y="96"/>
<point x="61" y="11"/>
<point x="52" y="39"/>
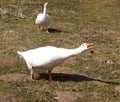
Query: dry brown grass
<point x="86" y="77"/>
<point x="67" y="96"/>
<point x="7" y="98"/>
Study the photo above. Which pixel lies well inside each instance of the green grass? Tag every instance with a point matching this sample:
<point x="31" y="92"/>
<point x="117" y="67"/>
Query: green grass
<point x="79" y="21"/>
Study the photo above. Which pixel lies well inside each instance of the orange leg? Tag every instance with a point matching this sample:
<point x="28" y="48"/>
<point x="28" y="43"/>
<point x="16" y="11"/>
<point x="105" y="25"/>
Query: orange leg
<point x="32" y="73"/>
<point x="50" y="76"/>
<point x="47" y="30"/>
<point x="39" y="28"/>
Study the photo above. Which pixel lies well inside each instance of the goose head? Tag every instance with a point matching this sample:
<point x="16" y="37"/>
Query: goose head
<point x="86" y="46"/>
<point x="45" y="4"/>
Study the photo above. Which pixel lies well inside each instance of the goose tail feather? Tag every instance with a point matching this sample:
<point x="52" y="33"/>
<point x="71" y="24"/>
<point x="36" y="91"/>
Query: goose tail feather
<point x="20" y="54"/>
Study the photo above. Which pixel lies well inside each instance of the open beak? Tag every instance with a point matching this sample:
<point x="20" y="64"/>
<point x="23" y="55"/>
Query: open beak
<point x="89" y="45"/>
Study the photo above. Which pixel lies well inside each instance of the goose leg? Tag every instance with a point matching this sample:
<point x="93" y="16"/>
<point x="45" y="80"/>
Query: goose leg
<point x="32" y="73"/>
<point x="47" y="30"/>
<point x="50" y="76"/>
<point x="39" y="28"/>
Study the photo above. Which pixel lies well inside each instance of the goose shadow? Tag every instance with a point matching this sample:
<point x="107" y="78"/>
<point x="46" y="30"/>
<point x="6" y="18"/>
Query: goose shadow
<point x="53" y="30"/>
<point x="63" y="77"/>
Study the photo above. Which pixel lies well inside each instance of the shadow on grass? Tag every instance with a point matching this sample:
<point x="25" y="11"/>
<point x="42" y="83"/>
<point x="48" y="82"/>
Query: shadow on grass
<point x="62" y="77"/>
<point x="53" y="30"/>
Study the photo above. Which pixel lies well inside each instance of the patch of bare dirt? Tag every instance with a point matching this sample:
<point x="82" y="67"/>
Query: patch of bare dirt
<point x="100" y="59"/>
<point x="118" y="62"/>
<point x="7" y="98"/>
<point x="115" y="72"/>
<point x="117" y="88"/>
<point x="71" y="61"/>
<point x="64" y="70"/>
<point x="110" y="1"/>
<point x="99" y="84"/>
<point x="15" y="77"/>
<point x="4" y="61"/>
<point x="107" y="32"/>
<point x="87" y="30"/>
<point x="67" y="96"/>
<point x="95" y="95"/>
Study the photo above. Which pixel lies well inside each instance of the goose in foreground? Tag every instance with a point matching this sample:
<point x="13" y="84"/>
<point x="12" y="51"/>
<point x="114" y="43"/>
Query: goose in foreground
<point x="48" y="57"/>
<point x="43" y="19"/>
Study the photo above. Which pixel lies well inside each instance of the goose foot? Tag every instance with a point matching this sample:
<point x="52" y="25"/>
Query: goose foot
<point x="39" y="28"/>
<point x="47" y="31"/>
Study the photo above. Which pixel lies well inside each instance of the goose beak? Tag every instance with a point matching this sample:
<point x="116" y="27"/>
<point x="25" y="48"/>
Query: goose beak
<point x="89" y="45"/>
<point x="46" y="3"/>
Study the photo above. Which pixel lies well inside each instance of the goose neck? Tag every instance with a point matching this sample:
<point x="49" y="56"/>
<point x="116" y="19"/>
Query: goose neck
<point x="76" y="51"/>
<point x="45" y="10"/>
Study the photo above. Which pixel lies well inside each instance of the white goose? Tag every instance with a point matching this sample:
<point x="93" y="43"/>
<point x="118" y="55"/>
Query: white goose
<point x="43" y="19"/>
<point x="46" y="58"/>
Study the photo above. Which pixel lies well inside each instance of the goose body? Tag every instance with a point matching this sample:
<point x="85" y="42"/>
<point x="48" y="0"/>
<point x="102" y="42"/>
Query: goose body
<point x="43" y="19"/>
<point x="48" y="57"/>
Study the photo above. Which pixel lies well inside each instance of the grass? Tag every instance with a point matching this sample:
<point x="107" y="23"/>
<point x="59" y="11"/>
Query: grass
<point x="96" y="75"/>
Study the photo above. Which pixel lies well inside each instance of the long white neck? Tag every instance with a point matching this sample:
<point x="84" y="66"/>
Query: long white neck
<point x="45" y="10"/>
<point x="73" y="52"/>
<point x="76" y="51"/>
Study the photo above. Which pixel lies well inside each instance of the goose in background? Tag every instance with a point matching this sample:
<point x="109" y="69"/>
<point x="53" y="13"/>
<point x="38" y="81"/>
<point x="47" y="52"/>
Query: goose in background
<point x="43" y="19"/>
<point x="48" y="57"/>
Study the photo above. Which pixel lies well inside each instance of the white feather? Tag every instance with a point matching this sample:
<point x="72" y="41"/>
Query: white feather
<point x="48" y="57"/>
<point x="43" y="19"/>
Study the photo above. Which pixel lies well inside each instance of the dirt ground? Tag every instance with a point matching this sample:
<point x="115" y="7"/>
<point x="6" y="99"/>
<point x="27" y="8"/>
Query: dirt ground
<point x="67" y="96"/>
<point x="61" y="96"/>
<point x="7" y="98"/>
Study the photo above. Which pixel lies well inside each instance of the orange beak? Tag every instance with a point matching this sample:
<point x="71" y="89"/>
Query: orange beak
<point x="89" y="45"/>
